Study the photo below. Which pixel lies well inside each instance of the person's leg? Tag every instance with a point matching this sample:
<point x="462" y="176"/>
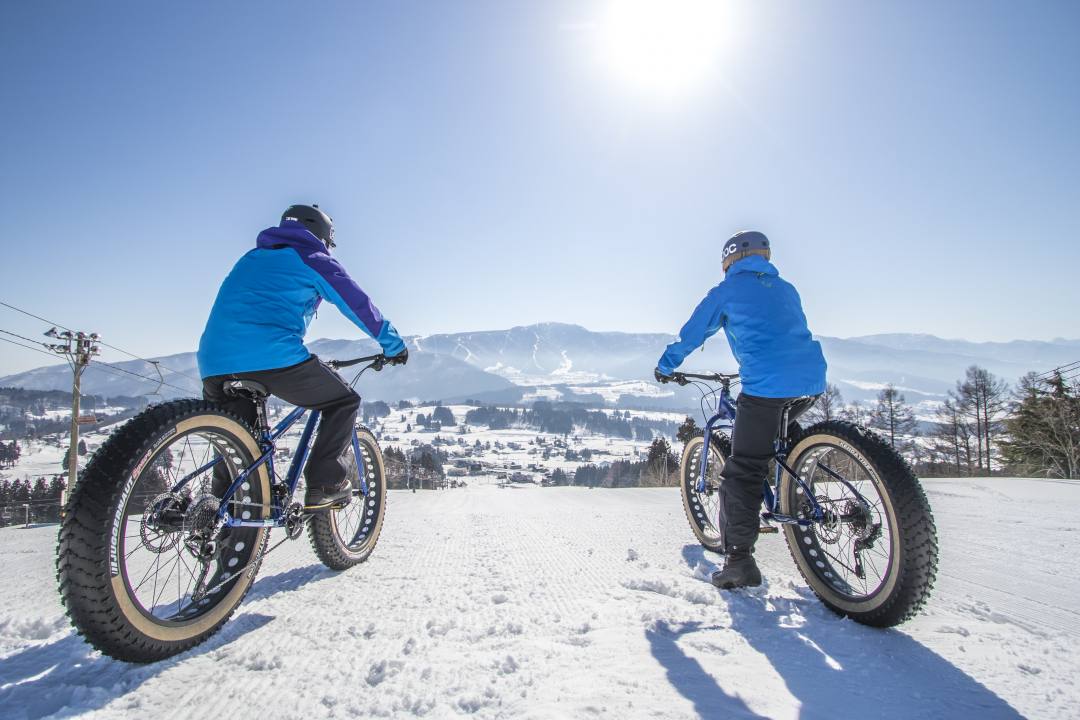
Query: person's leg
<point x="212" y="391"/>
<point x="311" y="384"/>
<point x="757" y="421"/>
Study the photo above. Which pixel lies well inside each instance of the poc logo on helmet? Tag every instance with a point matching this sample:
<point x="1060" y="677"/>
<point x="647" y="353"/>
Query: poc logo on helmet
<point x="729" y="249"/>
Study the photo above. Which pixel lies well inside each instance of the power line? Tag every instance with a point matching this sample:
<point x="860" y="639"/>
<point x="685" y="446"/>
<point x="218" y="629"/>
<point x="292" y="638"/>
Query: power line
<point x="115" y="369"/>
<point x="1068" y="367"/>
<point x="155" y="363"/>
<point x="151" y="362"/>
<point x="101" y="366"/>
<point x="28" y="347"/>
<point x="23" y="337"/>
<point x="36" y="317"/>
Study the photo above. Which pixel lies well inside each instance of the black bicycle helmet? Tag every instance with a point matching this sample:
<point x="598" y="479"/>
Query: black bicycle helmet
<point x="741" y="244"/>
<point x="318" y="222"/>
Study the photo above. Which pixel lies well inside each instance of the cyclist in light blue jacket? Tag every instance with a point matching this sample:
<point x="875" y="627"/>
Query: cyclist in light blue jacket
<point x="779" y="362"/>
<point x="256" y="332"/>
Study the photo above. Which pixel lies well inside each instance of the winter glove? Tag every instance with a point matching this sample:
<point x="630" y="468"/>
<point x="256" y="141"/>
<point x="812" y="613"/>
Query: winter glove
<point x="400" y="359"/>
<point x="662" y="377"/>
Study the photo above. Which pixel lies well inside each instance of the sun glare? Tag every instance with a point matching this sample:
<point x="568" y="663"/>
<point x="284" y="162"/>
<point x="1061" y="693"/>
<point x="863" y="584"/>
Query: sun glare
<point x="663" y="47"/>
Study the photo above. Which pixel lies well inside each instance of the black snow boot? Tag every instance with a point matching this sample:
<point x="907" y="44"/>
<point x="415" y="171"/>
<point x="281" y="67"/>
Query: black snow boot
<point x="740" y="570"/>
<point x="317" y="498"/>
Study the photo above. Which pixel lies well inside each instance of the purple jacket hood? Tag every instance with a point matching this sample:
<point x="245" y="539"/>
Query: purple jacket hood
<point x="291" y="234"/>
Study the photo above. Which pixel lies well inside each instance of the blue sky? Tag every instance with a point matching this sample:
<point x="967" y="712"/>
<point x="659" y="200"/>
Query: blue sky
<point x="491" y="164"/>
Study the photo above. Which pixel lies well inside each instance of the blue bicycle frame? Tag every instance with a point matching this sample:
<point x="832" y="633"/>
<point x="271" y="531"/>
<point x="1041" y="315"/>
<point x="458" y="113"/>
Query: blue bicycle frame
<point x="725" y="418"/>
<point x="267" y="444"/>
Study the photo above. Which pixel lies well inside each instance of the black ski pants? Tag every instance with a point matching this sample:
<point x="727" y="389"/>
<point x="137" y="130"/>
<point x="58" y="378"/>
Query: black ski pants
<point x="310" y="384"/>
<point x="757" y="425"/>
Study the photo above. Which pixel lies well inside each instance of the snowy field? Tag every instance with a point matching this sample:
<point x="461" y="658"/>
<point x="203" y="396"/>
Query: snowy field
<point x="572" y="603"/>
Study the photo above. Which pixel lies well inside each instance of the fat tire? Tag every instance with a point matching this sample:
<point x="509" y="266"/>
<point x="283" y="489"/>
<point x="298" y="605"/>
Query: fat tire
<point x="902" y="493"/>
<point x="688" y="480"/>
<point x="83" y="549"/>
<point x="323" y="531"/>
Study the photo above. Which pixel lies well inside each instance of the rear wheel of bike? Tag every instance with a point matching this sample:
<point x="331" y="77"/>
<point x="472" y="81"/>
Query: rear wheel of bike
<point x="874" y="563"/>
<point x="144" y="572"/>
<point x="703" y="506"/>
<point x="346" y="536"/>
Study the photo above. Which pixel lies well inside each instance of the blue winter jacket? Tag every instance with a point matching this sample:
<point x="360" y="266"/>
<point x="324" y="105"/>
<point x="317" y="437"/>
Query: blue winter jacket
<point x="763" y="319"/>
<point x="264" y="306"/>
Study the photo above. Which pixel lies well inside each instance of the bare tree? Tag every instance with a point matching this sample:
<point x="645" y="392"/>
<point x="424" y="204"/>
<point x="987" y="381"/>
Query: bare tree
<point x="983" y="398"/>
<point x="856" y="413"/>
<point x="828" y="406"/>
<point x="951" y="438"/>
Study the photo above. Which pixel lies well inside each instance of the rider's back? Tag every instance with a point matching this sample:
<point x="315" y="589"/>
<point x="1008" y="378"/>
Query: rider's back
<point x="762" y="317"/>
<point x="768" y="333"/>
<point x="264" y="306"/>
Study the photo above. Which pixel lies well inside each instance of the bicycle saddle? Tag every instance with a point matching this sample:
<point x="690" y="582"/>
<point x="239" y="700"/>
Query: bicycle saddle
<point x="246" y="388"/>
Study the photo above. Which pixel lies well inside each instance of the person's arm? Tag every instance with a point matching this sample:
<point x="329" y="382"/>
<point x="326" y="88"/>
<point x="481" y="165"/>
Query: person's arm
<point x="334" y="284"/>
<point x="706" y="319"/>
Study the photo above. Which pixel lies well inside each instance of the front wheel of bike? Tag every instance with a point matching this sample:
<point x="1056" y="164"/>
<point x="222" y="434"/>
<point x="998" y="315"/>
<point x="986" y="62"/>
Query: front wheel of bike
<point x="702" y="505"/>
<point x="145" y="569"/>
<point x="872" y="559"/>
<point x="346" y="536"/>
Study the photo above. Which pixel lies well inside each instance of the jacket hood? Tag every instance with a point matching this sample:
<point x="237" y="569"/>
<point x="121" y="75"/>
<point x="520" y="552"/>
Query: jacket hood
<point x="751" y="263"/>
<point x="292" y="234"/>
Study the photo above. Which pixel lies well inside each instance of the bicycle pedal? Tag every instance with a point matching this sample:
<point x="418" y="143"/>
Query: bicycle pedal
<point x="768" y="530"/>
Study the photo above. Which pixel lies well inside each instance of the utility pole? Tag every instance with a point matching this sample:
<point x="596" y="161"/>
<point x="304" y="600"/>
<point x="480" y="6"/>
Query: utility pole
<point x="77" y="348"/>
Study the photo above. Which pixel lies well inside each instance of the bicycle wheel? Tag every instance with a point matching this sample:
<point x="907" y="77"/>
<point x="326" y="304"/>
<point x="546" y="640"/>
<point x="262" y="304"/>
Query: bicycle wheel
<point x="703" y="507"/>
<point x="347" y="536"/>
<point x="874" y="564"/>
<point x="144" y="572"/>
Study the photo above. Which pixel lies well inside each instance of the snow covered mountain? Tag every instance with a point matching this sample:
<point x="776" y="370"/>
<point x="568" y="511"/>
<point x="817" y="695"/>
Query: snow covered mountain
<point x="556" y="360"/>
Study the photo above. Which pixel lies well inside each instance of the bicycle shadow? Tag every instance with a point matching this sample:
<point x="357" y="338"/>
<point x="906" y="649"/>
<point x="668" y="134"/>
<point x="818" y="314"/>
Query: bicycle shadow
<point x="828" y="662"/>
<point x="288" y="581"/>
<point x="68" y="677"/>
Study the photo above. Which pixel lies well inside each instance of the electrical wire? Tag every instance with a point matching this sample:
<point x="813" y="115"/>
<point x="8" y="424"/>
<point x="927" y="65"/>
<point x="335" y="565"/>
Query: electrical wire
<point x="36" y="317"/>
<point x="102" y="342"/>
<point x="29" y="347"/>
<point x="114" y="369"/>
<point x="1068" y="367"/>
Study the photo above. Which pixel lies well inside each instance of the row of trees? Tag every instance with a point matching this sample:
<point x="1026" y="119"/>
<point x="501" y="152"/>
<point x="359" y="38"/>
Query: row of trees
<point x="982" y="426"/>
<point x="567" y="418"/>
<point x="420" y="467"/>
<point x="659" y="469"/>
<point x="42" y="495"/>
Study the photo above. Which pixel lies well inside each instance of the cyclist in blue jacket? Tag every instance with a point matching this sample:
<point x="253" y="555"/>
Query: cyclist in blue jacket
<point x="779" y="363"/>
<point x="256" y="332"/>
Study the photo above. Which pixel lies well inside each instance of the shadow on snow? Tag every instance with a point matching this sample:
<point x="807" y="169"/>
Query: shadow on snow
<point x="68" y="677"/>
<point x="832" y="666"/>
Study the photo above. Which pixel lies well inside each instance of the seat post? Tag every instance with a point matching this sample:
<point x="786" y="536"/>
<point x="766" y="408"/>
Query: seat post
<point x="263" y="418"/>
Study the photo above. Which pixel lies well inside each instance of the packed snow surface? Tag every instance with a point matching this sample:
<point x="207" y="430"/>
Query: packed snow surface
<point x="572" y="603"/>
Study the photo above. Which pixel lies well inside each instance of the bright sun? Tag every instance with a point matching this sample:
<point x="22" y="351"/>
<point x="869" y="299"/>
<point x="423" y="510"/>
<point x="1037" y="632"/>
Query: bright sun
<point x="663" y="47"/>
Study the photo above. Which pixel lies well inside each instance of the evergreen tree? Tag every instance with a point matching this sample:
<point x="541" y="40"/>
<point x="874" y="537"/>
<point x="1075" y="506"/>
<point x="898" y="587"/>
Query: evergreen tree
<point x="1044" y="429"/>
<point x="688" y="430"/>
<point x="444" y="416"/>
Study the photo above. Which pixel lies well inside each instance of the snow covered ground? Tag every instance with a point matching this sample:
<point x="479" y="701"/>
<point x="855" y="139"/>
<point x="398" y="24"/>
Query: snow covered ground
<point x="573" y="603"/>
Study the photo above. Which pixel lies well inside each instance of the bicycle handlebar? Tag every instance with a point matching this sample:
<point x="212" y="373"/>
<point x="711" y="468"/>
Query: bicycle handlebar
<point x="684" y="378"/>
<point x="377" y="362"/>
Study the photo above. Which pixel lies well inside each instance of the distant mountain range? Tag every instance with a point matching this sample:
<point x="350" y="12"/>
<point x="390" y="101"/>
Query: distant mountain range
<point x="556" y="360"/>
